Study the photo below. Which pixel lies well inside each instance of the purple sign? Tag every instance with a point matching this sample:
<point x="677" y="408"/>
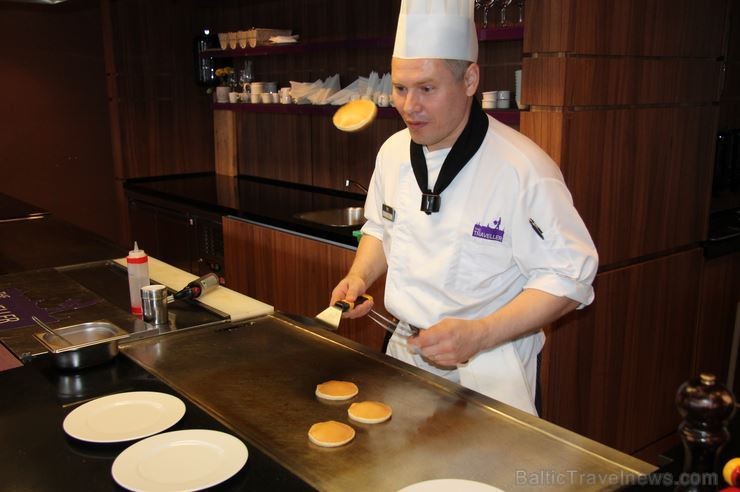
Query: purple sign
<point x="16" y="309"/>
<point x="492" y="232"/>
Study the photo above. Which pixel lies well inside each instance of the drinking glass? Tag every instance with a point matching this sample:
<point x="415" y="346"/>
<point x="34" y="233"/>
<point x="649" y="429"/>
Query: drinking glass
<point x="246" y="75"/>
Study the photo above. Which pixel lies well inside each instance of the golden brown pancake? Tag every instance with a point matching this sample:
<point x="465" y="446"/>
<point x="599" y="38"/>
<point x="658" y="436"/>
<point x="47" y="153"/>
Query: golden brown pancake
<point x="355" y="115"/>
<point x="369" y="412"/>
<point x="336" y="390"/>
<point x="330" y="434"/>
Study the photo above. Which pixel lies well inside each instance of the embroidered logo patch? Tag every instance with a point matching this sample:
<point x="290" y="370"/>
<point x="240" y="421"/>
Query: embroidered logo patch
<point x="492" y="232"/>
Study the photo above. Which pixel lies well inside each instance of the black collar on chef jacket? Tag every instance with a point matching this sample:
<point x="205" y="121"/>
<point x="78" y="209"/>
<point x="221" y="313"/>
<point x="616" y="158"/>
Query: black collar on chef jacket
<point x="465" y="147"/>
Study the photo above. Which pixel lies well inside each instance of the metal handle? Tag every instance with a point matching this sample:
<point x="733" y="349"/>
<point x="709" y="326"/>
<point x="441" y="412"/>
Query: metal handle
<point x="50" y="330"/>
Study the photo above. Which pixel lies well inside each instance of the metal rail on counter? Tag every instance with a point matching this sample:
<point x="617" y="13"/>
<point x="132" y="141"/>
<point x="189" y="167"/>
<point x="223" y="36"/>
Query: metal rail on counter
<point x="259" y="377"/>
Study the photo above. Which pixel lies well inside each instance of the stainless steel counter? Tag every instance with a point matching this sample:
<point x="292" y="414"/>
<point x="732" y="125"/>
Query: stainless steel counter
<point x="259" y="377"/>
<point x="77" y="294"/>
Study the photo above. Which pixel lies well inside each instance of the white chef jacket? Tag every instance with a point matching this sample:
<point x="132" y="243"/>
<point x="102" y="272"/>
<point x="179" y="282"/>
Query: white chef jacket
<point x="479" y="251"/>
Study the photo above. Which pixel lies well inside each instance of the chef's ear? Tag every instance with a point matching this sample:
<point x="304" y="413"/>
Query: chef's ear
<point x="471" y="79"/>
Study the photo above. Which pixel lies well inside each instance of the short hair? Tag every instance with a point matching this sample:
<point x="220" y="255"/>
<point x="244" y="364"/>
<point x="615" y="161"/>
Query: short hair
<point x="457" y="67"/>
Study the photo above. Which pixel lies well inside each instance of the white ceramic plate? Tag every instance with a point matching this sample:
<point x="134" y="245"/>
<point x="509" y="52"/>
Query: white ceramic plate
<point x="180" y="461"/>
<point x="124" y="416"/>
<point x="450" y="484"/>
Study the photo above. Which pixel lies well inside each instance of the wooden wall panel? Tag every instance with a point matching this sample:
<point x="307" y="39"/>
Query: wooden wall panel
<point x="336" y="155"/>
<point x="720" y="295"/>
<point x="55" y="147"/>
<point x="615" y="366"/>
<point x="543" y="81"/>
<point x="294" y="274"/>
<point x="165" y="122"/>
<point x="276" y="146"/>
<point x="224" y="140"/>
<point x="546" y="129"/>
<point x="640" y="177"/>
<point x="619" y="81"/>
<point x="548" y="25"/>
<point x="629" y="27"/>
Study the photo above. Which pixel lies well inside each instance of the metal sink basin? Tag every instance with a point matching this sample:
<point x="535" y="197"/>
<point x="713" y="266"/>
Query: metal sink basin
<point x="336" y="217"/>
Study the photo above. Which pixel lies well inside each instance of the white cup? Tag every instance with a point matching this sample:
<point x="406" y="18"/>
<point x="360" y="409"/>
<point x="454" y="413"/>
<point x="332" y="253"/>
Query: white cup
<point x="503" y="95"/>
<point x="274" y="97"/>
<point x="266" y="98"/>
<point x="284" y="91"/>
<point x="383" y="100"/>
<point x="490" y="95"/>
<point x="222" y="94"/>
<point x="233" y="97"/>
<point x="503" y="103"/>
<point x="285" y="100"/>
<point x="255" y="98"/>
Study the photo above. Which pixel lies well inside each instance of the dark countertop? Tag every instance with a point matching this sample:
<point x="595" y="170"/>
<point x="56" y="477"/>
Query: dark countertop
<point x="264" y="201"/>
<point x="12" y="209"/>
<point x="49" y="242"/>
<point x="37" y="455"/>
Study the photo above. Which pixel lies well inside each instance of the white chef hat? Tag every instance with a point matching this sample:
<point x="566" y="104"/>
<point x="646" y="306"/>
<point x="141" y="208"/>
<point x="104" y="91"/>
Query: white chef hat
<point x="436" y="29"/>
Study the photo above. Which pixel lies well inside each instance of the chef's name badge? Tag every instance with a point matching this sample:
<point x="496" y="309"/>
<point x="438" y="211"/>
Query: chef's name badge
<point x="389" y="213"/>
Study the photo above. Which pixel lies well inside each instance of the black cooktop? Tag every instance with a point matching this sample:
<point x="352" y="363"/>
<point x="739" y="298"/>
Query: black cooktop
<point x="37" y="455"/>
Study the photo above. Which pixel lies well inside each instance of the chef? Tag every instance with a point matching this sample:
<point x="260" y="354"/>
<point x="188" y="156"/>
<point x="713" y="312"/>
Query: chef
<point x="471" y="221"/>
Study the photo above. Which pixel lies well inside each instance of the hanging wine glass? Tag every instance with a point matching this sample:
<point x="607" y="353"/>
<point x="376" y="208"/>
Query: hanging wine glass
<point x="485" y="6"/>
<point x="520" y="11"/>
<point x="502" y="17"/>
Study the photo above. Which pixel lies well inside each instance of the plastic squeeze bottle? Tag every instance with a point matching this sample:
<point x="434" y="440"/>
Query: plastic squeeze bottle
<point x="137" y="263"/>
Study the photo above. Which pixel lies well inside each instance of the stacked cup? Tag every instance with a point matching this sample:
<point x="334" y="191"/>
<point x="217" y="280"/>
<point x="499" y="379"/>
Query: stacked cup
<point x="256" y="89"/>
<point x="503" y="99"/>
<point x="489" y="99"/>
<point x="285" y="95"/>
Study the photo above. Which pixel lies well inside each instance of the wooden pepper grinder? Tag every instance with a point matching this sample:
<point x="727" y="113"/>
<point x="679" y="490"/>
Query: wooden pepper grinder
<point x="706" y="406"/>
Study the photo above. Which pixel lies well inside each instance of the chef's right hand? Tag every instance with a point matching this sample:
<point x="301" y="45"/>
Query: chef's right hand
<point x="349" y="289"/>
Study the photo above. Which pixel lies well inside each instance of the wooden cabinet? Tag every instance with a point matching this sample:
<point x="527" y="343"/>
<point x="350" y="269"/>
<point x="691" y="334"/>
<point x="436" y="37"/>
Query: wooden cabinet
<point x="719" y="311"/>
<point x="613" y="369"/>
<point x="185" y="238"/>
<point x="623" y="97"/>
<point x="294" y="273"/>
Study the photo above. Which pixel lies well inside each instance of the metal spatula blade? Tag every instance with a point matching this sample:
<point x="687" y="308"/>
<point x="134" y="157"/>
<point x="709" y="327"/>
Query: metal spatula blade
<point x="332" y="315"/>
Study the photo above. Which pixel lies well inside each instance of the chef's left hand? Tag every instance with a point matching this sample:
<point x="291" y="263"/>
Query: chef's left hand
<point x="450" y="342"/>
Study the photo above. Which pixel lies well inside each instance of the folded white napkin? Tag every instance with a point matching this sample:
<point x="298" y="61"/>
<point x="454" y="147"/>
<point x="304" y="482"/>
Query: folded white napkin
<point x="284" y="39"/>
